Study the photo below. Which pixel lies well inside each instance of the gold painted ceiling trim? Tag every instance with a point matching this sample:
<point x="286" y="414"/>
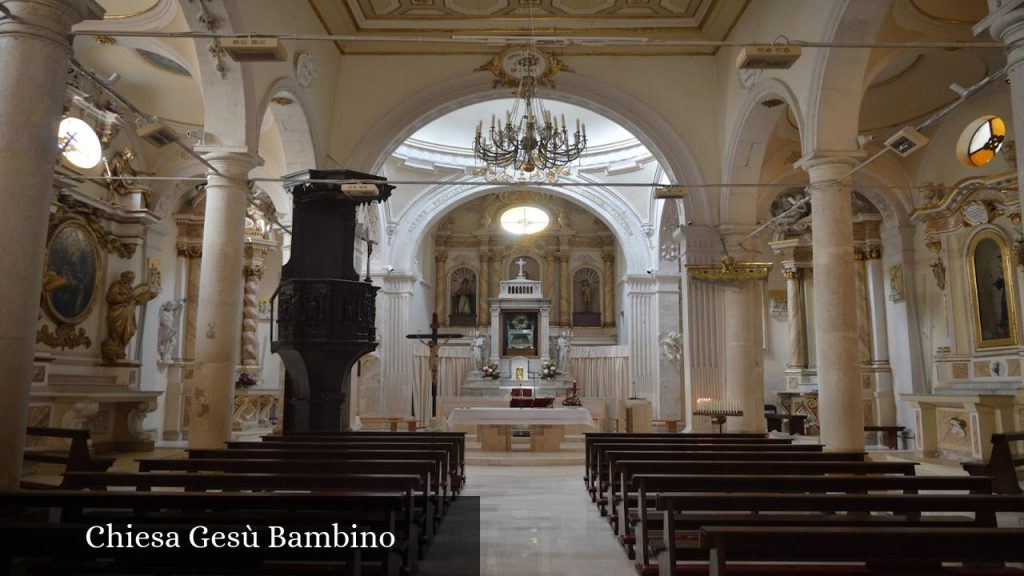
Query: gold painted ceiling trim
<point x="132" y="14"/>
<point x="729" y="270"/>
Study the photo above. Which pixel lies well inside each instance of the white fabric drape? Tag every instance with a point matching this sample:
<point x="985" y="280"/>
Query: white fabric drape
<point x="453" y="367"/>
<point x="601" y="371"/>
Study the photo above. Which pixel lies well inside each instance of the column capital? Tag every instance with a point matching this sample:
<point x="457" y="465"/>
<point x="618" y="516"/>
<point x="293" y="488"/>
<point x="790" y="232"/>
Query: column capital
<point x="232" y="162"/>
<point x="823" y="166"/>
<point x="48" y="19"/>
<point x="792" y="272"/>
<point x="1005" y="24"/>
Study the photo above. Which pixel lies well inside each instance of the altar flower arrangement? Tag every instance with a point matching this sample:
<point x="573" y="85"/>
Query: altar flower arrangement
<point x="548" y="370"/>
<point x="245" y="381"/>
<point x="490" y="370"/>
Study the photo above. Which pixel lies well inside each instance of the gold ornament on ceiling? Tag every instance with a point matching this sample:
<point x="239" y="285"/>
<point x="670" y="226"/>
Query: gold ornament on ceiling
<point x="513" y="63"/>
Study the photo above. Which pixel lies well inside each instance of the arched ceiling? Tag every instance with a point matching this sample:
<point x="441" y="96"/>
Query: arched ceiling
<point x="121" y="9"/>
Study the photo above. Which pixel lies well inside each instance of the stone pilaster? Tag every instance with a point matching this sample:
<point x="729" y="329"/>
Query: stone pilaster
<point x="395" y="350"/>
<point x="564" y="288"/>
<point x="551" y="276"/>
<point x="642" y="298"/>
<point x="440" y="286"/>
<point x="608" y="287"/>
<point x="483" y="306"/>
<point x="34" y="51"/>
<point x="219" y="315"/>
<point x="840" y="406"/>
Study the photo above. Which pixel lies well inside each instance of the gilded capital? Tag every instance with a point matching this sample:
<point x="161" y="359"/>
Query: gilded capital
<point x="792" y="273"/>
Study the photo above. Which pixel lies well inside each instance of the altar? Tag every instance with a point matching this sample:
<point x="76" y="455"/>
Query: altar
<point x="546" y="425"/>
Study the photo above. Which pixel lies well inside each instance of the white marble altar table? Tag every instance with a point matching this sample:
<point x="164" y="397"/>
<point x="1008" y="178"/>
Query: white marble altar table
<point x="547" y="425"/>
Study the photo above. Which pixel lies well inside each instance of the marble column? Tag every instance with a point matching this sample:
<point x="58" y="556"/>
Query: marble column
<point x="564" y="287"/>
<point x="440" y="257"/>
<point x="840" y="406"/>
<point x="219" y="315"/>
<point x="608" y="287"/>
<point x="1006" y="24"/>
<point x="34" y="51"/>
<point x="797" y="318"/>
<point x="885" y="401"/>
<point x="483" y="306"/>
<point x="252" y="273"/>
<point x="744" y="356"/>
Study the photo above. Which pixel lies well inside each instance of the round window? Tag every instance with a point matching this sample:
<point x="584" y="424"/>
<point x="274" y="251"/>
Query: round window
<point x="981" y="141"/>
<point x="524" y="220"/>
<point x="78" y="143"/>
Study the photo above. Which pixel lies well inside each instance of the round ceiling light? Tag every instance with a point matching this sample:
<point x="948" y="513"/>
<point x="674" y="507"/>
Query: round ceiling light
<point x="981" y="141"/>
<point x="79" y="143"/>
<point x="524" y="220"/>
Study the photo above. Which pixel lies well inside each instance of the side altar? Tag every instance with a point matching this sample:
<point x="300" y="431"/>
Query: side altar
<point x="520" y="345"/>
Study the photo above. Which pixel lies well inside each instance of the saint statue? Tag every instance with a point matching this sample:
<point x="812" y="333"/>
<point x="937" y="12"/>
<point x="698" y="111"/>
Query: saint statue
<point x="477" y="349"/>
<point x="120" y="173"/>
<point x="464" y="298"/>
<point x="122" y="299"/>
<point x="563" y="352"/>
<point x="167" y="337"/>
<point x="587" y="295"/>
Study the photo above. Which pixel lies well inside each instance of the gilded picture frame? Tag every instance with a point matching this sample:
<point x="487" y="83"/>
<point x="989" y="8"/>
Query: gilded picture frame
<point x="993" y="292"/>
<point x="72" y="273"/>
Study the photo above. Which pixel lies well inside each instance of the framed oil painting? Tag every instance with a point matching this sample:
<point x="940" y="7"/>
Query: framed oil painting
<point x="72" y="275"/>
<point x="992" y="292"/>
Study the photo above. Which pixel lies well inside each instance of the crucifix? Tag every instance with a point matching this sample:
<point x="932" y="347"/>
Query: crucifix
<point x="521" y="263"/>
<point x="433" y="341"/>
<point x="369" y="253"/>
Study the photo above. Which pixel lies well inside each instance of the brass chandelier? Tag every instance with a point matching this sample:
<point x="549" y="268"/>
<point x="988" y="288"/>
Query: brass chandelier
<point x="531" y="137"/>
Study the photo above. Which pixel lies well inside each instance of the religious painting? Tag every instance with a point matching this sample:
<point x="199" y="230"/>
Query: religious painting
<point x="72" y="273"/>
<point x="462" y="290"/>
<point x="992" y="292"/>
<point x="520" y="329"/>
<point x="586" y="298"/>
<point x="530" y="268"/>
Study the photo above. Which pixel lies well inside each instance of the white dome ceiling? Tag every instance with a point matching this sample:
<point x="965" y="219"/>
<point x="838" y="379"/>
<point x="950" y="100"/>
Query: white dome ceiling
<point x="456" y="129"/>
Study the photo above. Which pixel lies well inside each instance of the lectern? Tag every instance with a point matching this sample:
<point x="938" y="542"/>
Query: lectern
<point x="325" y="314"/>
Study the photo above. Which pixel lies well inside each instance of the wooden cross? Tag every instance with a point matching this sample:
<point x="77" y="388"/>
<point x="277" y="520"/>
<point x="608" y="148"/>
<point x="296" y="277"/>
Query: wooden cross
<point x="433" y="341"/>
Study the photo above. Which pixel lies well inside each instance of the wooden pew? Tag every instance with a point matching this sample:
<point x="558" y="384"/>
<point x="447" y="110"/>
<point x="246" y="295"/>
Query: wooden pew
<point x="377" y="511"/>
<point x="423" y="506"/>
<point x="77" y="459"/>
<point x="458" y="437"/>
<point x="438" y="456"/>
<point x="455" y="458"/>
<point x="424" y="468"/>
<point x="858" y="506"/>
<point x="591" y="443"/>
<point x="906" y="508"/>
<point x="598" y="450"/>
<point x="607" y="492"/>
<point x="884" y="549"/>
<point x="641" y="528"/>
<point x="1002" y="465"/>
<point x="890" y="434"/>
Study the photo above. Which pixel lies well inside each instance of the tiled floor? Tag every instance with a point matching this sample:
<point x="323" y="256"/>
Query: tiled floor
<point x="539" y="521"/>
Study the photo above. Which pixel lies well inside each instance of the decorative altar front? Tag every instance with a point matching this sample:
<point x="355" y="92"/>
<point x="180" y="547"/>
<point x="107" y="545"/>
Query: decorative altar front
<point x="494" y="425"/>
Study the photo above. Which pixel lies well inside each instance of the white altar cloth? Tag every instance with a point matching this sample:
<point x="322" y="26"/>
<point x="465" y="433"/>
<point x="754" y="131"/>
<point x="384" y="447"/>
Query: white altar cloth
<point x="578" y="416"/>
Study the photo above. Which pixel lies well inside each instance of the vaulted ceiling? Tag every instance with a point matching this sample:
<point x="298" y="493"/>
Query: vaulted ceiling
<point x="611" y="21"/>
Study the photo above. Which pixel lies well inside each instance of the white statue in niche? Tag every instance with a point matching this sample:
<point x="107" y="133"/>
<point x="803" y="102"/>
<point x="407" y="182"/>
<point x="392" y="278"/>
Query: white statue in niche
<point x="167" y="336"/>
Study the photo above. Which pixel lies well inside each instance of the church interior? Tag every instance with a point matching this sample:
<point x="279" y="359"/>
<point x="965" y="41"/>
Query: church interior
<point x="724" y="260"/>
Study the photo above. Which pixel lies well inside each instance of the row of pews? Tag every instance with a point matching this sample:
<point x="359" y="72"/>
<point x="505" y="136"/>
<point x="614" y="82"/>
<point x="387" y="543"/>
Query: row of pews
<point x="340" y="503"/>
<point x="748" y="504"/>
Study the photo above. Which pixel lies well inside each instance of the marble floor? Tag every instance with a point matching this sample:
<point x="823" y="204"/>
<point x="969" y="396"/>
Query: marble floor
<point x="539" y="521"/>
